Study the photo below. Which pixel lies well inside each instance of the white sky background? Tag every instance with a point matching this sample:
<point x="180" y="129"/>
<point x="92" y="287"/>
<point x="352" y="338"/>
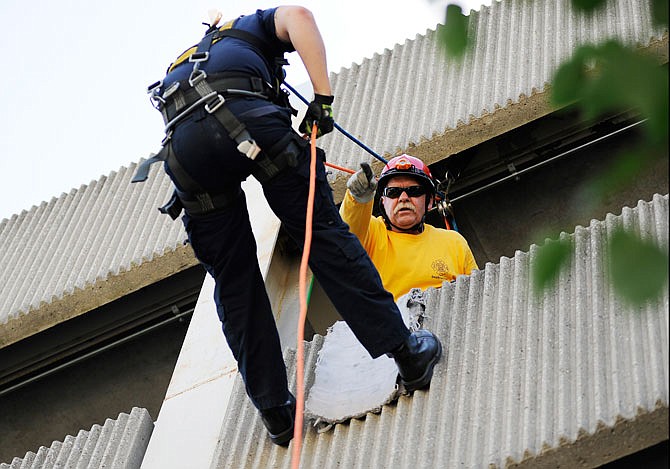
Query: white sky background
<point x="73" y="92"/>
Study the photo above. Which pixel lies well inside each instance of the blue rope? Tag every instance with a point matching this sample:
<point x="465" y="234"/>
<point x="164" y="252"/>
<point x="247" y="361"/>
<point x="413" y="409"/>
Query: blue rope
<point x="337" y="126"/>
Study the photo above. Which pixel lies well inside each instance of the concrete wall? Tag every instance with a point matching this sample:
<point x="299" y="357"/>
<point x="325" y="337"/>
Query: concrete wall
<point x="133" y="375"/>
<point x="496" y="222"/>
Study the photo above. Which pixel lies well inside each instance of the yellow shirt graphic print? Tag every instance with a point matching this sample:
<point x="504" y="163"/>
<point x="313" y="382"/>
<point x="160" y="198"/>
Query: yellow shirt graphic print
<point x="442" y="271"/>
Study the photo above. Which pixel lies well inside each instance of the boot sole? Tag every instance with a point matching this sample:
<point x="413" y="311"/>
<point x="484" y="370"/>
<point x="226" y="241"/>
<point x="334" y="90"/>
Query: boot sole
<point x="424" y="380"/>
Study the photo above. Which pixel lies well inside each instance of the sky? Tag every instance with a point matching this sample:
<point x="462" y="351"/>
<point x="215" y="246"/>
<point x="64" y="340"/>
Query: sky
<point x="73" y="95"/>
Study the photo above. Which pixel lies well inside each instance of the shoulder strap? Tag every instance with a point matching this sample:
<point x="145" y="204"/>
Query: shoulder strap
<point x="227" y="30"/>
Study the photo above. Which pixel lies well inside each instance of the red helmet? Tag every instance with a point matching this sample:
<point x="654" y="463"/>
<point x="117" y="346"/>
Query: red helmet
<point x="405" y="165"/>
<point x="409" y="166"/>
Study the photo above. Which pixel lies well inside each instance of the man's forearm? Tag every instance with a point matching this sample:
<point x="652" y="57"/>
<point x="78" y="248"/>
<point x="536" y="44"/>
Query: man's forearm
<point x="297" y="26"/>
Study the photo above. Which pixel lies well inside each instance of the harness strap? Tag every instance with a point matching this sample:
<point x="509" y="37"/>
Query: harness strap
<point x="142" y="173"/>
<point x="204" y="201"/>
<point x="214" y="34"/>
<point x="283" y="154"/>
<point x="198" y="80"/>
<point x="178" y="95"/>
<point x="204" y="45"/>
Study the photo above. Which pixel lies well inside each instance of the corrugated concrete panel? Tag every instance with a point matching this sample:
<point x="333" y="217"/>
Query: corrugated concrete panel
<point x="409" y="98"/>
<point x="106" y="239"/>
<point x="82" y="250"/>
<point x="118" y="444"/>
<point x="571" y="378"/>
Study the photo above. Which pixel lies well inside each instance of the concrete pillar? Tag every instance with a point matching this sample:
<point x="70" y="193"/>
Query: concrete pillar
<point x="190" y="419"/>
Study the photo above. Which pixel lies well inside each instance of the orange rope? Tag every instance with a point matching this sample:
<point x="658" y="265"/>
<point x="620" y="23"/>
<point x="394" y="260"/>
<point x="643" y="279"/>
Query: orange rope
<point x="300" y="372"/>
<point x="346" y="170"/>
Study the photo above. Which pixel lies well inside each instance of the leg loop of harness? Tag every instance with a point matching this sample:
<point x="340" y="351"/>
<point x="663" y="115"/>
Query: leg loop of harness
<point x="196" y="201"/>
<point x="284" y="154"/>
<point x="201" y="203"/>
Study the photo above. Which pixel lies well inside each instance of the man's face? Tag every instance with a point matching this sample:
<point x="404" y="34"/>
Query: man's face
<point x="404" y="211"/>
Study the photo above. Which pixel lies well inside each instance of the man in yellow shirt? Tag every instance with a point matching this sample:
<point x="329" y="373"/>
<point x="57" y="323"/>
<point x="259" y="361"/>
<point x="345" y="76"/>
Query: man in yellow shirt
<point x="407" y="252"/>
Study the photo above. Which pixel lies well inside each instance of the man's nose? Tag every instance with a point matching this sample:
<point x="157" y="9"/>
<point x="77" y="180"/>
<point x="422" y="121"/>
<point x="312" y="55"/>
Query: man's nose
<point x="403" y="195"/>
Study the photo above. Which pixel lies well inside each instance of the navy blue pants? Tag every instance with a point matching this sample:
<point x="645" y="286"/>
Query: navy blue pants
<point x="224" y="243"/>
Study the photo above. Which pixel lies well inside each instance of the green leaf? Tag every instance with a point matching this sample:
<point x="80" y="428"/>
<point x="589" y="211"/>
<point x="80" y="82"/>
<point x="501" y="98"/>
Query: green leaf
<point x="587" y="5"/>
<point x="567" y="82"/>
<point x="630" y="79"/>
<point x="659" y="11"/>
<point x="455" y="32"/>
<point x="638" y="268"/>
<point x="656" y="100"/>
<point x="571" y="77"/>
<point x="620" y="79"/>
<point x="548" y="263"/>
<point x="602" y="94"/>
<point x="608" y="87"/>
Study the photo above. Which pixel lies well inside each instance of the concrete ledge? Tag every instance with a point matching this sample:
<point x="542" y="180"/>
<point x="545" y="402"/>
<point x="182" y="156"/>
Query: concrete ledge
<point x="607" y="444"/>
<point x="93" y="296"/>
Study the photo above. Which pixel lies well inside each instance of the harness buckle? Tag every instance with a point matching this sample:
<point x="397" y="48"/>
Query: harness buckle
<point x="257" y="84"/>
<point x="171" y="89"/>
<point x="156" y="100"/>
<point x="249" y="148"/>
<point x="199" y="57"/>
<point x="219" y="102"/>
<point x="154" y="86"/>
<point x="196" y="76"/>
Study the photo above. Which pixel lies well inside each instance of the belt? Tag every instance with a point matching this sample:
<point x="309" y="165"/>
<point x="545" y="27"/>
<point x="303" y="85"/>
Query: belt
<point x="180" y="94"/>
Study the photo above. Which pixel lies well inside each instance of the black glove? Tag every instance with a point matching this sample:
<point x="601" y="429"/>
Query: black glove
<point x="321" y="112"/>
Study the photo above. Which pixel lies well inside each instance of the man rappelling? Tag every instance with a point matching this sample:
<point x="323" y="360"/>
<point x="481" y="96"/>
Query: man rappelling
<point x="227" y="118"/>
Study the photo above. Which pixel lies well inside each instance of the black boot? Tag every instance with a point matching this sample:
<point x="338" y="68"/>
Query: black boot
<point x="416" y="358"/>
<point x="279" y="421"/>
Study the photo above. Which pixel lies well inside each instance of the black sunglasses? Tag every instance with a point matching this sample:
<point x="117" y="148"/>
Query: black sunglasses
<point x="412" y="191"/>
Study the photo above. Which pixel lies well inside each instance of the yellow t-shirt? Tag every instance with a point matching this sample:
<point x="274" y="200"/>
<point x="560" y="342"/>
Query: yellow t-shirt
<point x="405" y="260"/>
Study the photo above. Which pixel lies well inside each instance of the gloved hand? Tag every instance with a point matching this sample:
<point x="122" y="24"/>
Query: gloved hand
<point x="319" y="110"/>
<point x="362" y="184"/>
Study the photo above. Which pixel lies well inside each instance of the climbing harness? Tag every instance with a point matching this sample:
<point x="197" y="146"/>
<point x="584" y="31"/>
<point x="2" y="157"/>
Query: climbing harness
<point x="209" y="92"/>
<point x="200" y="90"/>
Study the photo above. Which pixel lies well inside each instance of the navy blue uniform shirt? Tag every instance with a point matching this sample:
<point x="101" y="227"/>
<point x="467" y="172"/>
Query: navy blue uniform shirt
<point x="235" y="55"/>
